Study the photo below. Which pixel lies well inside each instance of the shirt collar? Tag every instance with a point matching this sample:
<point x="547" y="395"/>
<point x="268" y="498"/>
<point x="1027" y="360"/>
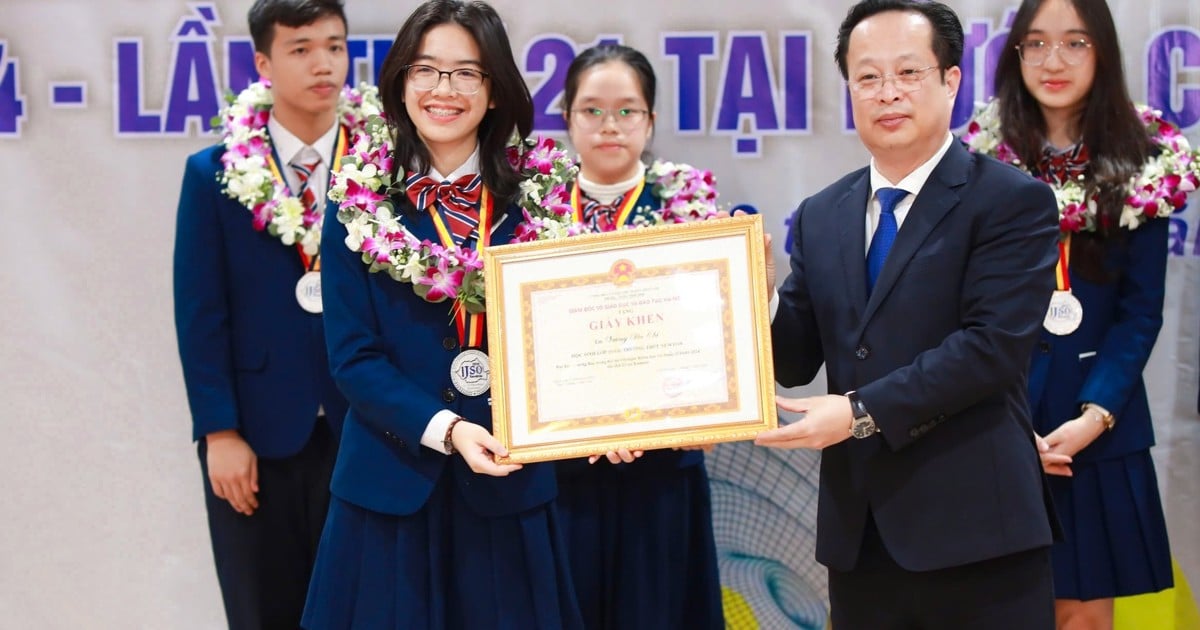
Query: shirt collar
<point x="914" y="181"/>
<point x="288" y="146"/>
<point x="470" y="167"/>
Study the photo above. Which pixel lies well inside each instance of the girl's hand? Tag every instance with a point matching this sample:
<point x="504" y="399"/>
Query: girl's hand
<point x="1052" y="463"/>
<point x="479" y="448"/>
<point x="617" y="456"/>
<point x="1072" y="436"/>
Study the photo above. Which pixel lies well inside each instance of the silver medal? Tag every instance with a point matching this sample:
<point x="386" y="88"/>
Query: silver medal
<point x="308" y="292"/>
<point x="470" y="372"/>
<point x="1064" y="315"/>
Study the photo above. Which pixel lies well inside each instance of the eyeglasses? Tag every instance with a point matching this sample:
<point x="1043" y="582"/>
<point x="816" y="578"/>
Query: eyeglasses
<point x="462" y="80"/>
<point x="869" y="86"/>
<point x="1035" y="52"/>
<point x="592" y="118"/>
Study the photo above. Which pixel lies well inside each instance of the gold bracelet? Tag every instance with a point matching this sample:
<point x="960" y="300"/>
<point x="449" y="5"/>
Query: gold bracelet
<point x="1107" y="419"/>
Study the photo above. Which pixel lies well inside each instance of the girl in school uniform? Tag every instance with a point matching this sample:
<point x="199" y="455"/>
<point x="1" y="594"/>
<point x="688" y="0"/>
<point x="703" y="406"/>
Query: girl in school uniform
<point x="638" y="526"/>
<point x="426" y="529"/>
<point x="1063" y="110"/>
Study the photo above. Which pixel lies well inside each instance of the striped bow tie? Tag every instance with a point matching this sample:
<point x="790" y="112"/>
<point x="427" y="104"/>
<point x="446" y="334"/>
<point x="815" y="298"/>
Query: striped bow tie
<point x="457" y="201"/>
<point x="601" y="217"/>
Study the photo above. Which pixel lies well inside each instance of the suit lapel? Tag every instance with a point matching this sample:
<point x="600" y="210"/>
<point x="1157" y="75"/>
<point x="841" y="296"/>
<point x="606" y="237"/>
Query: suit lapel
<point x="936" y="198"/>
<point x="852" y="213"/>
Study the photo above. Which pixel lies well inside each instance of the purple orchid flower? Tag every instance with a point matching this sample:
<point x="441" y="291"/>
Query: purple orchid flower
<point x="263" y="213"/>
<point x="442" y="282"/>
<point x="360" y="196"/>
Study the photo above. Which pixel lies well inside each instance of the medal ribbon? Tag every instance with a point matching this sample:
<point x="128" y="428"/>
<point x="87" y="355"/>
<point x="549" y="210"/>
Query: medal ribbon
<point x="622" y="215"/>
<point x="470" y="326"/>
<point x="340" y="148"/>
<point x="1064" y="261"/>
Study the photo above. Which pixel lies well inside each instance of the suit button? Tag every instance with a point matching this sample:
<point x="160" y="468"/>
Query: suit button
<point x="449" y="343"/>
<point x="1044" y="346"/>
<point x="914" y="433"/>
<point x="862" y="352"/>
<point x="448" y="395"/>
<point x="393" y="437"/>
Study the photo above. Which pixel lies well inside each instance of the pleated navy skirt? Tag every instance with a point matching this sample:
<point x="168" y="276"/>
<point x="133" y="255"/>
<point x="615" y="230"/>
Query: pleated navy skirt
<point x="640" y="543"/>
<point x="444" y="567"/>
<point x="1116" y="535"/>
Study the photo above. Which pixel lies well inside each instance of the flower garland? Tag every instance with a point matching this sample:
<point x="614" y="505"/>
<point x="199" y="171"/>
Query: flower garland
<point x="685" y="193"/>
<point x="364" y="189"/>
<point x="248" y="175"/>
<point x="1160" y="188"/>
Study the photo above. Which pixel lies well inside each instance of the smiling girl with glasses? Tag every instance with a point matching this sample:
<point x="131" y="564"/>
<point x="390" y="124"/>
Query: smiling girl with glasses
<point x="426" y="529"/>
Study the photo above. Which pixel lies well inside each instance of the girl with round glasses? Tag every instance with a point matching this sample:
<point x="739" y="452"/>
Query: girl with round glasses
<point x="426" y="530"/>
<point x="1063" y="112"/>
<point x="639" y="533"/>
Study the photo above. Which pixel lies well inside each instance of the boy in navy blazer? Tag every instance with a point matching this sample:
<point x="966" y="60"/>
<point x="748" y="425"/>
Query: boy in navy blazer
<point x="920" y="282"/>
<point x="265" y="411"/>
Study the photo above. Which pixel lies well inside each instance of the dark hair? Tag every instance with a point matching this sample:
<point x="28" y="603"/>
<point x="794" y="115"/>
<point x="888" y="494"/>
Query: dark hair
<point x="1108" y="125"/>
<point x="947" y="37"/>
<point x="265" y="14"/>
<point x="514" y="106"/>
<point x="597" y="55"/>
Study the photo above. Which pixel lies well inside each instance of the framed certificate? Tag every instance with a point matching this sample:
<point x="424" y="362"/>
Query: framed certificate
<point x="645" y="338"/>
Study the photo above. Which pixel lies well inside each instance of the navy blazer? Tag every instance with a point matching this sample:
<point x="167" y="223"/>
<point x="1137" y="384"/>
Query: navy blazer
<point x="939" y="354"/>
<point x="1103" y="361"/>
<point x="390" y="351"/>
<point x="253" y="360"/>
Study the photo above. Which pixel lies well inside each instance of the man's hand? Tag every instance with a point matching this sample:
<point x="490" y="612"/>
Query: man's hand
<point x="826" y="422"/>
<point x="233" y="470"/>
<point x="770" y="266"/>
<point x="479" y="448"/>
<point x="770" y="262"/>
<point x="1053" y="463"/>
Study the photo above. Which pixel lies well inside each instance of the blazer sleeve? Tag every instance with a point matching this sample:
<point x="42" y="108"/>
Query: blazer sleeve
<point x="1122" y="356"/>
<point x="795" y="338"/>
<point x="1005" y="291"/>
<point x="380" y="394"/>
<point x="202" y="320"/>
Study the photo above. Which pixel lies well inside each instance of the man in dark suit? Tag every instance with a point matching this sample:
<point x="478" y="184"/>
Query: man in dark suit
<point x="920" y="282"/>
<point x="254" y="362"/>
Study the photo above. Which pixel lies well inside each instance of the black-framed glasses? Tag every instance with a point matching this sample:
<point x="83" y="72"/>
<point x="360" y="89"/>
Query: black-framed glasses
<point x="462" y="80"/>
<point x="869" y="86"/>
<point x="592" y="118"/>
<point x="1036" y="52"/>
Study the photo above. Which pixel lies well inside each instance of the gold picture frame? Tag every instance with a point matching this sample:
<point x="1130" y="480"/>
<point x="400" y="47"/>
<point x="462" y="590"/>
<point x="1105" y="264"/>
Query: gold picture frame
<point x="645" y="338"/>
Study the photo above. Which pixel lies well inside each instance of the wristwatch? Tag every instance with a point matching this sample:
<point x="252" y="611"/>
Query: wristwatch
<point x="863" y="425"/>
